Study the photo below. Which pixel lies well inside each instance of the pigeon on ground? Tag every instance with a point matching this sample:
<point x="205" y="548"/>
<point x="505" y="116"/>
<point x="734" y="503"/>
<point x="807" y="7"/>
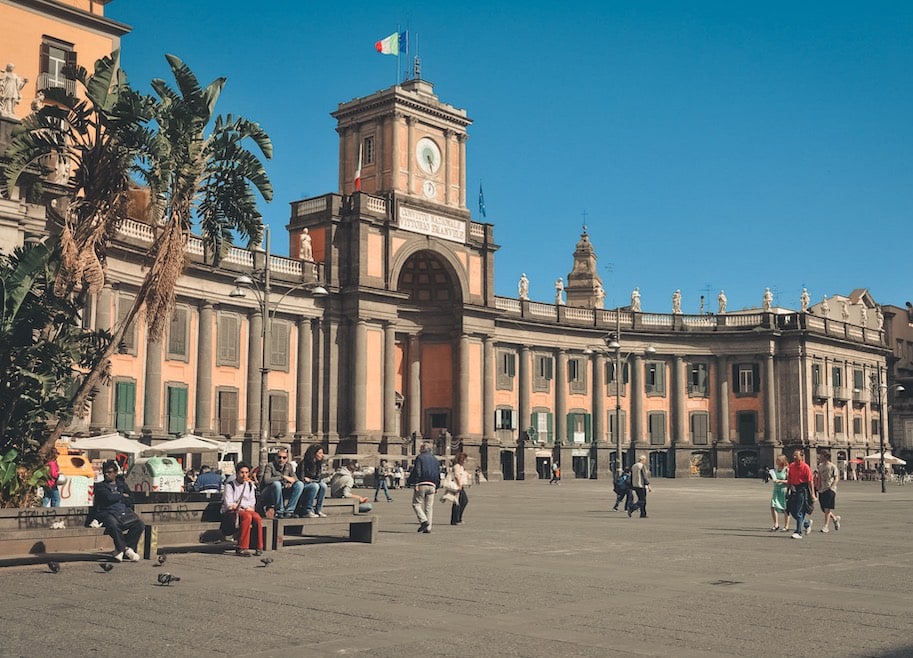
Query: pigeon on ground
<point x="106" y="566"/>
<point x="167" y="579"/>
<point x="161" y="560"/>
<point x="54" y="567"/>
<point x="266" y="561"/>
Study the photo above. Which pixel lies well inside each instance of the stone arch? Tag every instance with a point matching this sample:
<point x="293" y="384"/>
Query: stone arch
<point x="420" y="253"/>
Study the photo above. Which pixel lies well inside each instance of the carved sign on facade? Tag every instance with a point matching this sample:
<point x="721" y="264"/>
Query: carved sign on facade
<point x="426" y="223"/>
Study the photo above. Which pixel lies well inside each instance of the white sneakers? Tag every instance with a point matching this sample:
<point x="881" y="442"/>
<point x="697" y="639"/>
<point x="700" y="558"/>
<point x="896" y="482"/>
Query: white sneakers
<point x="310" y="515"/>
<point x="836" y="523"/>
<point x="131" y="555"/>
<point x="321" y="515"/>
<point x="796" y="535"/>
<point x="808" y="528"/>
<point x="119" y="557"/>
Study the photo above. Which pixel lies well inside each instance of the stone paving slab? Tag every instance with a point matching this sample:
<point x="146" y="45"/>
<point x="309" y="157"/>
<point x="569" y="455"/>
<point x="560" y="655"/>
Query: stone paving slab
<point x="536" y="570"/>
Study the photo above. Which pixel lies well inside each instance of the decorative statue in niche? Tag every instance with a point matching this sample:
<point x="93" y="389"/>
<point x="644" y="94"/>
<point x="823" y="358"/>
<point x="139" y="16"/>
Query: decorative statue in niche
<point x="304" y="246"/>
<point x="10" y="91"/>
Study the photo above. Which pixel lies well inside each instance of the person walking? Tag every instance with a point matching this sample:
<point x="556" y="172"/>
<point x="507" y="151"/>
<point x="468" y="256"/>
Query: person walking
<point x="778" y="497"/>
<point x="51" y="485"/>
<point x="641" y="486"/>
<point x="425" y="478"/>
<point x="623" y="491"/>
<point x="826" y="478"/>
<point x="556" y="474"/>
<point x="380" y="481"/>
<point x="461" y="477"/>
<point x="801" y="493"/>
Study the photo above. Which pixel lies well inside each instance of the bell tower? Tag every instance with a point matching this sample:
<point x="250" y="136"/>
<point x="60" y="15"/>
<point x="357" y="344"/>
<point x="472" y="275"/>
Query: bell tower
<point x="405" y="141"/>
<point x="584" y="287"/>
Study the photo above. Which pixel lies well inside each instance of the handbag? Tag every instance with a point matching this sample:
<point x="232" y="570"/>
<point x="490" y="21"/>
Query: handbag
<point x="449" y="484"/>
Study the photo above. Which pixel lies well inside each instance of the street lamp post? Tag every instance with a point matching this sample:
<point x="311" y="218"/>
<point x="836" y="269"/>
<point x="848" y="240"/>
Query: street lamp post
<point x="882" y="388"/>
<point x="613" y="342"/>
<point x="262" y="291"/>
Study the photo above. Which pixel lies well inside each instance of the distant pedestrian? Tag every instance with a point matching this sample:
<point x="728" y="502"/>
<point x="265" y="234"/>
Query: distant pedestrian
<point x="380" y="477"/>
<point x="641" y="485"/>
<point x="826" y="478"/>
<point x="801" y="493"/>
<point x="556" y="474"/>
<point x="623" y="491"/>
<point x="51" y="485"/>
<point x="778" y="497"/>
<point x="461" y="477"/>
<point x="425" y="478"/>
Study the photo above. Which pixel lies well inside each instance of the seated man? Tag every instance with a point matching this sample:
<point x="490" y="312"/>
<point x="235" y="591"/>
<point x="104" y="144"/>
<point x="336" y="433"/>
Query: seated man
<point x="341" y="487"/>
<point x="114" y="510"/>
<point x="277" y="481"/>
<point x="208" y="480"/>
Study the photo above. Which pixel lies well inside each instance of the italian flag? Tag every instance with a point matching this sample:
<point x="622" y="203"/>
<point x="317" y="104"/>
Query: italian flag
<point x="358" y="171"/>
<point x="390" y="45"/>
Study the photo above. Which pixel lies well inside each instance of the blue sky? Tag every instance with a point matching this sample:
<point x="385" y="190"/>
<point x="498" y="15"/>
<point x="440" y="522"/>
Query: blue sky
<point x="712" y="145"/>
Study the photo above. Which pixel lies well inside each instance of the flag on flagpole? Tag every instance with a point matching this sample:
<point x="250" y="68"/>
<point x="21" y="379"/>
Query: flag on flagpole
<point x="393" y="44"/>
<point x="358" y="171"/>
<point x="481" y="201"/>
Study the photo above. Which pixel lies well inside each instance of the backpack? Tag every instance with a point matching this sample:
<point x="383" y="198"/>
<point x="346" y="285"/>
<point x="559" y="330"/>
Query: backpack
<point x="621" y="484"/>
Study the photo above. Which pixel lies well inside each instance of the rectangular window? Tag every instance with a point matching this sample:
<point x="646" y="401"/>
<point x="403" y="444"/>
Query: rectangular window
<point x="838" y="424"/>
<point x="543" y="373"/>
<point x="578" y="427"/>
<point x="177" y="333"/>
<point x="816" y="375"/>
<point x="622" y="423"/>
<point x="229" y="340"/>
<point x="177" y="409"/>
<point x="543" y="423"/>
<point x="837" y="376"/>
<point x="697" y="380"/>
<point x="610" y="373"/>
<point x="657" y="421"/>
<point x="747" y="376"/>
<point x="128" y="342"/>
<point x="279" y="346"/>
<point x="859" y="379"/>
<point x="56" y="65"/>
<point x="507" y="368"/>
<point x="876" y="428"/>
<point x="124" y="406"/>
<point x="819" y="423"/>
<point x="576" y="375"/>
<point x="228" y="412"/>
<point x="700" y="428"/>
<point x="278" y="414"/>
<point x="857" y="425"/>
<point x="505" y="419"/>
<point x="655" y="377"/>
<point x="368" y="151"/>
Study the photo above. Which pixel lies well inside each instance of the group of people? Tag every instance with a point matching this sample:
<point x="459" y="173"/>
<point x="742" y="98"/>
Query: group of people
<point x="633" y="480"/>
<point x="797" y="487"/>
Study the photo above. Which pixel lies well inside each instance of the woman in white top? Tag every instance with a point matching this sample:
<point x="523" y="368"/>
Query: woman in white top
<point x="239" y="501"/>
<point x="461" y="477"/>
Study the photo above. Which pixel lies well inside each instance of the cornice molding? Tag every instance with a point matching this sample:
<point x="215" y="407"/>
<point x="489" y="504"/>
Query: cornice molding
<point x="76" y="16"/>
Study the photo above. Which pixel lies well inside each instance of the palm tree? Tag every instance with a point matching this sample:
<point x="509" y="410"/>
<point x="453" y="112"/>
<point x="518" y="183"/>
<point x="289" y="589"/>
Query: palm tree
<point x="117" y="133"/>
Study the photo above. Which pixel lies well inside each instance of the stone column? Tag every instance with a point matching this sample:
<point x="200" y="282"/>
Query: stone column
<point x="490" y="451"/>
<point x="448" y="168"/>
<point x="461" y="138"/>
<point x="681" y="430"/>
<point x="414" y="394"/>
<point x="152" y="390"/>
<point x="205" y="364"/>
<point x="770" y="400"/>
<point x="637" y="407"/>
<point x="462" y="425"/>
<point x="254" y="365"/>
<point x="723" y="443"/>
<point x="359" y="365"/>
<point x="561" y="437"/>
<point x="600" y="436"/>
<point x="304" y="382"/>
<point x="410" y="167"/>
<point x="389" y="381"/>
<point x="331" y="331"/>
<point x="102" y="417"/>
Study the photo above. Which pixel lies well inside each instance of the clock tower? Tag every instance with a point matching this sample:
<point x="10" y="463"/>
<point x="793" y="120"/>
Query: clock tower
<point x="406" y="141"/>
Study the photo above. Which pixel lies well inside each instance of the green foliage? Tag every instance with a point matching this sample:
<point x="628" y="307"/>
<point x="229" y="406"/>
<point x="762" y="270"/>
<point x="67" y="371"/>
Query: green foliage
<point x="43" y="349"/>
<point x="18" y="480"/>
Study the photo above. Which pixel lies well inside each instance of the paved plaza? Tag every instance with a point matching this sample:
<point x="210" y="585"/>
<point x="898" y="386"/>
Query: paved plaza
<point x="536" y="570"/>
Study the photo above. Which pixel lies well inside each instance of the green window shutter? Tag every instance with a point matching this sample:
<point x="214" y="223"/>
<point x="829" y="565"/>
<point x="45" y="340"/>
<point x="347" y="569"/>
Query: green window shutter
<point x="571" y="424"/>
<point x="588" y="427"/>
<point x="661" y="378"/>
<point x="279" y="342"/>
<point x="177" y="410"/>
<point x="551" y="429"/>
<point x="124" y="406"/>
<point x="756" y="375"/>
<point x="735" y="384"/>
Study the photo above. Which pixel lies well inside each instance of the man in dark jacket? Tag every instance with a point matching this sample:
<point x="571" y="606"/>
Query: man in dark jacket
<point x="425" y="479"/>
<point x="114" y="510"/>
<point x="208" y="480"/>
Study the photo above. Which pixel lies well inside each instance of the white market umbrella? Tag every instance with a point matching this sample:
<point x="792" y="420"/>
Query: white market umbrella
<point x="110" y="442"/>
<point x="185" y="444"/>
<point x="888" y="459"/>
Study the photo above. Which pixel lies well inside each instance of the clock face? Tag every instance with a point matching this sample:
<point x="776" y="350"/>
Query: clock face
<point x="428" y="189"/>
<point x="428" y="155"/>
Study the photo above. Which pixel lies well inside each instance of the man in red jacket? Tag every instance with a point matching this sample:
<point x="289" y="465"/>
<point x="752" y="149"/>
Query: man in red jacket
<point x="801" y="491"/>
